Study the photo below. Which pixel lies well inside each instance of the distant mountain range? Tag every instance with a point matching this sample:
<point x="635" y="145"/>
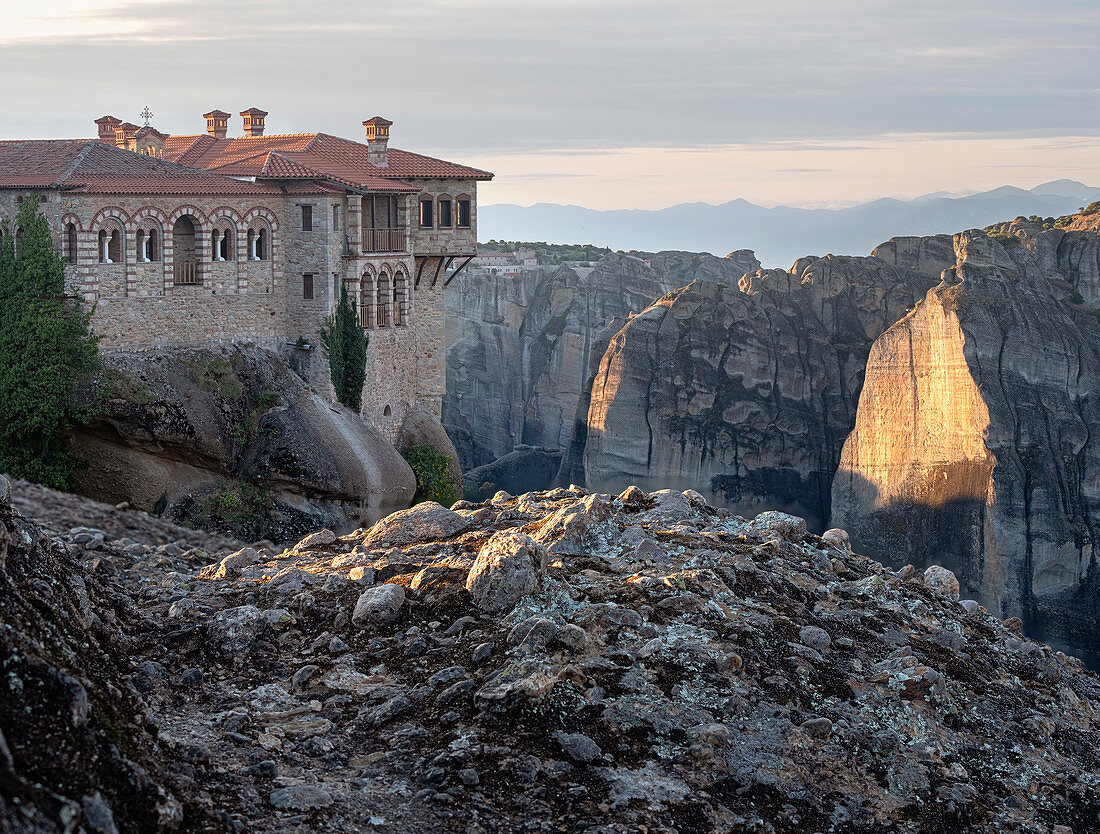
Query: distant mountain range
<point x="778" y="235"/>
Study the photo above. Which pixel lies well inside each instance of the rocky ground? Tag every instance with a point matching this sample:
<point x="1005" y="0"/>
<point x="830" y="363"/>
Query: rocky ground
<point x="560" y="661"/>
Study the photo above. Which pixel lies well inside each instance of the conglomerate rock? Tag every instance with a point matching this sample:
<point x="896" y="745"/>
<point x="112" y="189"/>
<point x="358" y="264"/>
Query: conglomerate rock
<point x="749" y="391"/>
<point x="520" y="347"/>
<point x="229" y="438"/>
<point x="975" y="443"/>
<point x="676" y="668"/>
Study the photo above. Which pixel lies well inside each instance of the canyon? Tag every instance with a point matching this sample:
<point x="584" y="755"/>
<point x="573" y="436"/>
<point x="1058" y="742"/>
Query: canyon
<point x="935" y="398"/>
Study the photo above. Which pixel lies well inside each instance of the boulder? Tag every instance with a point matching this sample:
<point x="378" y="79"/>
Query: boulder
<point x="508" y="567"/>
<point x="378" y="605"/>
<point x="427" y="521"/>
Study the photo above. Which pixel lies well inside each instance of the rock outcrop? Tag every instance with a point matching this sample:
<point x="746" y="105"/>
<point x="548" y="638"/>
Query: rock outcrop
<point x="746" y="392"/>
<point x="640" y="662"/>
<point x="524" y="469"/>
<point x="520" y="347"/>
<point x="231" y="439"/>
<point x="976" y="442"/>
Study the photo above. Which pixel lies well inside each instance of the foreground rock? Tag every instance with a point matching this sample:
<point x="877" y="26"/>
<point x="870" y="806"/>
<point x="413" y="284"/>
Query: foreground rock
<point x="975" y="441"/>
<point x="670" y="667"/>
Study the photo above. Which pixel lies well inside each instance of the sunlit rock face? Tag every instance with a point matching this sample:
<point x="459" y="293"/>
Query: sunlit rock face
<point x="975" y="443"/>
<point x="521" y="348"/>
<point x="746" y="392"/>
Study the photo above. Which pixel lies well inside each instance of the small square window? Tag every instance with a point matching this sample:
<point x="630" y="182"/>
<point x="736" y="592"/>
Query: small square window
<point x="464" y="214"/>
<point x="444" y="214"/>
<point x="425" y="214"/>
<point x="307" y="218"/>
<point x="307" y="286"/>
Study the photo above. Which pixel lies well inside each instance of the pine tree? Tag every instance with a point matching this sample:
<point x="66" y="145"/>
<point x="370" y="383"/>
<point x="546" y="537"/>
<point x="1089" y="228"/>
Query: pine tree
<point x="346" y="342"/>
<point x="46" y="349"/>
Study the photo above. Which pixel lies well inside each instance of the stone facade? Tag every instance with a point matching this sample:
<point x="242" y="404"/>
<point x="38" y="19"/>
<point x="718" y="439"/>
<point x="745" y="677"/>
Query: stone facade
<point x="267" y="268"/>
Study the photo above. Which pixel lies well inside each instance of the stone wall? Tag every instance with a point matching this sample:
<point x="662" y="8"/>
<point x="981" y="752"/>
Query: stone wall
<point x="451" y="240"/>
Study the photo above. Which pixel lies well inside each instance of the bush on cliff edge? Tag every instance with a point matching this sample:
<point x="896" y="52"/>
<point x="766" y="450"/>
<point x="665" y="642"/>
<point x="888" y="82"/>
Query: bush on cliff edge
<point x="432" y="469"/>
<point x="46" y="349"/>
<point x="346" y="342"/>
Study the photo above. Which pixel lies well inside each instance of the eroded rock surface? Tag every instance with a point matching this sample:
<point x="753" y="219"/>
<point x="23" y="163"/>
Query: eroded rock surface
<point x="520" y="347"/>
<point x="675" y="668"/>
<point x="232" y="440"/>
<point x="975" y="442"/>
<point x="747" y="393"/>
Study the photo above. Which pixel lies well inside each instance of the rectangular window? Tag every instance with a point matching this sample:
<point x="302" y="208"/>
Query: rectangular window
<point x="336" y="218"/>
<point x="307" y="218"/>
<point x="444" y="214"/>
<point x="425" y="214"/>
<point x="464" y="214"/>
<point x="307" y="285"/>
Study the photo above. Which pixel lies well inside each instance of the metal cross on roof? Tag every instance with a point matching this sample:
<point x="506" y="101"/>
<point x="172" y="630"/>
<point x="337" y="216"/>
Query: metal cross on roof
<point x="146" y="114"/>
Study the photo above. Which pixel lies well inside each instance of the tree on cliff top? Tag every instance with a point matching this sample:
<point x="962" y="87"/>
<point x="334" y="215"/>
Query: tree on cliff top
<point x="346" y="342"/>
<point x="46" y="349"/>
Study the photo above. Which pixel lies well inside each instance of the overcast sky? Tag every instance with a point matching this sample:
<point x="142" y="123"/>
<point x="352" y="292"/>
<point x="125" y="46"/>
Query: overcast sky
<point x="601" y="103"/>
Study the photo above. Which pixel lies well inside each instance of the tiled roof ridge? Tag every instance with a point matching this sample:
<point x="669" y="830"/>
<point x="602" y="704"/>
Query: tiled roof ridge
<point x="78" y="160"/>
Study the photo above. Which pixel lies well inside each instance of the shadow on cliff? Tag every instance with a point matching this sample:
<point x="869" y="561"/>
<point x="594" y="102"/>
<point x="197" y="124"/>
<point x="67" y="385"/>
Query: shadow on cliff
<point x="952" y="535"/>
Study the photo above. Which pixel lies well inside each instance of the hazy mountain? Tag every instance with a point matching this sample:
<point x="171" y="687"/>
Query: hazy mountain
<point x="778" y="235"/>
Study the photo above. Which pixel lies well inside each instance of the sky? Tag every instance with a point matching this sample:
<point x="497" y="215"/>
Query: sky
<point x="601" y="103"/>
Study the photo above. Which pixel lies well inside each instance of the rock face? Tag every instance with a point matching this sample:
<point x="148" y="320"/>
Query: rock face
<point x="682" y="670"/>
<point x="975" y="442"/>
<point x="524" y="469"/>
<point x="78" y="744"/>
<point x="231" y="439"/>
<point x="519" y="348"/>
<point x="746" y="392"/>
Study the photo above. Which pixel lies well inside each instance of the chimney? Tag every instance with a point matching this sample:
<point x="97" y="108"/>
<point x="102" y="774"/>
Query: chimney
<point x="254" y="121"/>
<point x="106" y="125"/>
<point x="126" y="136"/>
<point x="217" y="123"/>
<point x="378" y="138"/>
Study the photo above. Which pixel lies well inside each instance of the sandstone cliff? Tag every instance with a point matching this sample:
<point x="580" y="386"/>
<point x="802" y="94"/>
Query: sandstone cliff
<point x="976" y="442"/>
<point x="746" y="392"/>
<point x="520" y="347"/>
<point x="231" y="439"/>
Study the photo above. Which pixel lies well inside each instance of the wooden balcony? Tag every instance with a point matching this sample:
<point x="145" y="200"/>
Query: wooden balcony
<point x="384" y="240"/>
<point x="186" y="273"/>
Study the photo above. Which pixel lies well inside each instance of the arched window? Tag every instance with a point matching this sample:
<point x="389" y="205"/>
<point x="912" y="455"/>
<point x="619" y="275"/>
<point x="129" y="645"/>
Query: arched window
<point x="366" y="300"/>
<point x="463" y="204"/>
<point x="443" y="202"/>
<point x="185" y="253"/>
<point x="259" y="242"/>
<point x="400" y="303"/>
<point x="70" y="242"/>
<point x="110" y="246"/>
<point x="223" y="241"/>
<point x="382" y="307"/>
<point x="147" y="241"/>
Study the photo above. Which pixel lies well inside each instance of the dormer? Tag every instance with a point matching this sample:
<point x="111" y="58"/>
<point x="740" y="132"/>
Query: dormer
<point x="106" y="126"/>
<point x="253" y="121"/>
<point x="217" y="123"/>
<point x="126" y="136"/>
<point x="151" y="142"/>
<point x="378" y="138"/>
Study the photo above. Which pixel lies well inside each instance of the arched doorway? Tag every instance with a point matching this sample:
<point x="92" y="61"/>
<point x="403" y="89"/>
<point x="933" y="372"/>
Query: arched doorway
<point x="185" y="251"/>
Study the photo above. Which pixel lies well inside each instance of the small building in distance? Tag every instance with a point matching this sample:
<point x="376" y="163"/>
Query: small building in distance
<point x="182" y="239"/>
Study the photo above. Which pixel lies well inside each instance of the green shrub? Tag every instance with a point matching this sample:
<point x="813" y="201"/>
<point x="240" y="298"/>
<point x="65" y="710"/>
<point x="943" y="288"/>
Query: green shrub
<point x="432" y="469"/>
<point x="346" y="342"/>
<point x="46" y="349"/>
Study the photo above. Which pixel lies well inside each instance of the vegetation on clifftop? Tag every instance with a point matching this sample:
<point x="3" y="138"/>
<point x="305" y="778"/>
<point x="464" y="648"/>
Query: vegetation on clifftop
<point x="46" y="349"/>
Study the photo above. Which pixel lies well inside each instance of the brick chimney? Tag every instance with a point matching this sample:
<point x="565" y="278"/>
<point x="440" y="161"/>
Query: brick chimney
<point x="126" y="136"/>
<point x="253" y="121"/>
<point x="378" y="139"/>
<point x="106" y="125"/>
<point x="217" y="123"/>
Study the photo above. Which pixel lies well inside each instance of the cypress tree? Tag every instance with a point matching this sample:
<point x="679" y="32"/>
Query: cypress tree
<point x="346" y="342"/>
<point x="46" y="349"/>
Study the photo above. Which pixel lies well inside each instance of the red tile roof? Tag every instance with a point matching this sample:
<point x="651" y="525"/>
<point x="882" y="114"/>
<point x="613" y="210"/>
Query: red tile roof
<point x="94" y="167"/>
<point x="319" y="154"/>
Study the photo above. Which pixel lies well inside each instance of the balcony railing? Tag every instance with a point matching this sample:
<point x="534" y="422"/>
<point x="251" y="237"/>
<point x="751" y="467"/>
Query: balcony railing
<point x="186" y="273"/>
<point x="384" y="240"/>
